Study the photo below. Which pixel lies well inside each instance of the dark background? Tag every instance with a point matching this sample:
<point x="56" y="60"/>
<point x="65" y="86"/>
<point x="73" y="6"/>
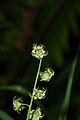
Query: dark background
<point x="54" y="23"/>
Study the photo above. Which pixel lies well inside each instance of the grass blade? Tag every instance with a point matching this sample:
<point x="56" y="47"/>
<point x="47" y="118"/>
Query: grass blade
<point x="16" y="88"/>
<point x="65" y="104"/>
<point x="4" y="115"/>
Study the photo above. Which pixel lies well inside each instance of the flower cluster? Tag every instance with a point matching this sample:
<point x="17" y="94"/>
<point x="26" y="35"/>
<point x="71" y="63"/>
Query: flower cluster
<point x="35" y="114"/>
<point x="18" y="105"/>
<point x="38" y="51"/>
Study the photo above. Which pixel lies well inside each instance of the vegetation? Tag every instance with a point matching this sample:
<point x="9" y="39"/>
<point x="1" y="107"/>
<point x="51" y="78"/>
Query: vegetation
<point x="55" y="24"/>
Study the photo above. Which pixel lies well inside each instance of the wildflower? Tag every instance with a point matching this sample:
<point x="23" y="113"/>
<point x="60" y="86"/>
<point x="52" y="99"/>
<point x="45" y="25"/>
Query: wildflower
<point x="18" y="104"/>
<point x="31" y="114"/>
<point x="46" y="75"/>
<point x="39" y="94"/>
<point x="38" y="51"/>
<point x="35" y="114"/>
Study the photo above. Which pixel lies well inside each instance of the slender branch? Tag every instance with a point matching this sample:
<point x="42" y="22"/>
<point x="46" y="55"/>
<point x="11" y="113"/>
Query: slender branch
<point x="25" y="104"/>
<point x="34" y="89"/>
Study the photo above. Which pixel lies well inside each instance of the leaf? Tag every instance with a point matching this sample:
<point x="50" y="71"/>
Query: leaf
<point x="65" y="104"/>
<point x="4" y="115"/>
<point x="16" y="88"/>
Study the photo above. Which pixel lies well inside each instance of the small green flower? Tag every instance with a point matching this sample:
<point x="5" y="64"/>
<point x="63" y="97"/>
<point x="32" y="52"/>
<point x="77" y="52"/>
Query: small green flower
<point x="18" y="104"/>
<point x="46" y="75"/>
<point x="39" y="94"/>
<point x="31" y="114"/>
<point x="38" y="51"/>
<point x="35" y="114"/>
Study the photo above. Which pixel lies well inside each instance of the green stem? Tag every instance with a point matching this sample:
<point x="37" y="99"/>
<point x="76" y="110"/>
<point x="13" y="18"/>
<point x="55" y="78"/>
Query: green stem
<point x="34" y="89"/>
<point x="25" y="104"/>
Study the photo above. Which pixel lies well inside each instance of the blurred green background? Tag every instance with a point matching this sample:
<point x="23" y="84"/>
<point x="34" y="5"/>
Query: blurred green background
<point x="56" y="24"/>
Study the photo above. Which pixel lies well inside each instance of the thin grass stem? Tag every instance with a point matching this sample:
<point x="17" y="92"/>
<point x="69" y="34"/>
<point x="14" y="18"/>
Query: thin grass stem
<point x="36" y="80"/>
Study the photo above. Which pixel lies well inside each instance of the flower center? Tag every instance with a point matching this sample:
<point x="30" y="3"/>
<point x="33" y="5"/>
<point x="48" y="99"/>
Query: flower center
<point x="46" y="75"/>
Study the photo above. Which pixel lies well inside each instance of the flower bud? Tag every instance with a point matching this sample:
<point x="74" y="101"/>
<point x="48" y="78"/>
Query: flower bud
<point x="38" y="51"/>
<point x="46" y="75"/>
<point x="35" y="114"/>
<point x="39" y="94"/>
<point x="18" y="104"/>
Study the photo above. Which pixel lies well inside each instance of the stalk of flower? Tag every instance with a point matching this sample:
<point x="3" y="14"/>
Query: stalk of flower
<point x="32" y="96"/>
<point x="35" y="114"/>
<point x="37" y="52"/>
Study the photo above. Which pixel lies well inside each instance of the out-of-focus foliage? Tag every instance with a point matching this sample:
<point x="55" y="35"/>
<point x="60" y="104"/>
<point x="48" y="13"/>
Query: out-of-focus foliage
<point x="4" y="115"/>
<point x="65" y="105"/>
<point x="16" y="88"/>
<point x="54" y="23"/>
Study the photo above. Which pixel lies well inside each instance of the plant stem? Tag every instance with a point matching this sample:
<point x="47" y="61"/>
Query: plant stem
<point x="34" y="89"/>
